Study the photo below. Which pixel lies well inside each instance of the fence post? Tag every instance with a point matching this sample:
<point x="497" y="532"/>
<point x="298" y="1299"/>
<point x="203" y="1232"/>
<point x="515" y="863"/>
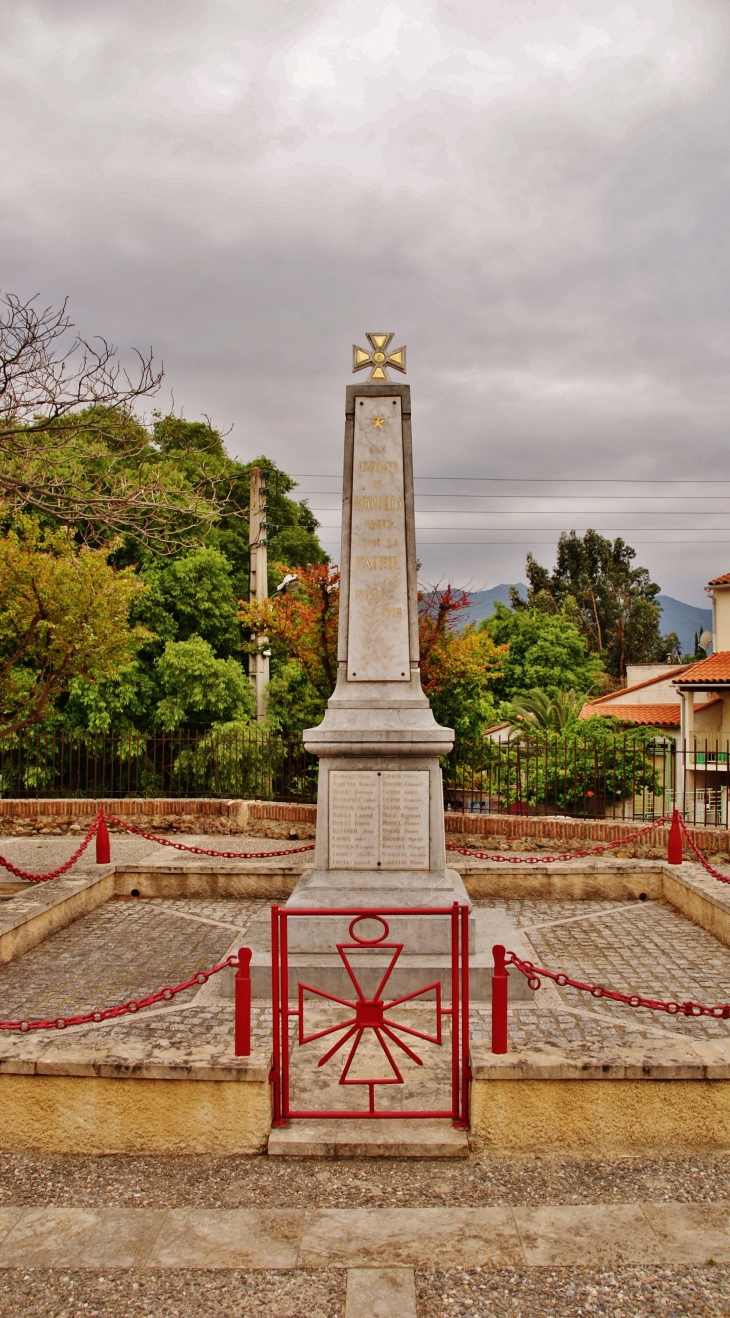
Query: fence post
<point x="500" y="975"/>
<point x="242" y="1008"/>
<point x="674" y="846"/>
<point x="103" y="849"/>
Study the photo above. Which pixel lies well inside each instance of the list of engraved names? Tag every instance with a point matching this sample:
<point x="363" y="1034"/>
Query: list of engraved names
<point x="379" y="820"/>
<point x="377" y="633"/>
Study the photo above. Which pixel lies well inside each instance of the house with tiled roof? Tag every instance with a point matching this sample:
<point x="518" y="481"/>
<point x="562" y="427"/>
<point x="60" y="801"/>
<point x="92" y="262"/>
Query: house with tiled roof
<point x="691" y="704"/>
<point x="651" y="699"/>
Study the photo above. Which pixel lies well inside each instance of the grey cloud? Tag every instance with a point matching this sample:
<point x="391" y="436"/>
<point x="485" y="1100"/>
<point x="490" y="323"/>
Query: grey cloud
<point x="532" y="197"/>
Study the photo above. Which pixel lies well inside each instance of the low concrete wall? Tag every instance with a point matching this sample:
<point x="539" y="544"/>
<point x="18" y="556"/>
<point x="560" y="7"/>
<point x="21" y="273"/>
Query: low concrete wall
<point x="600" y="1116"/>
<point x="97" y="1115"/>
<point x="658" y="1095"/>
<point x="55" y="818"/>
<point x="31" y="917"/>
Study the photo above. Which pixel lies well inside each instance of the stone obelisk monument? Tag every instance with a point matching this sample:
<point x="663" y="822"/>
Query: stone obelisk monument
<point x="380" y="813"/>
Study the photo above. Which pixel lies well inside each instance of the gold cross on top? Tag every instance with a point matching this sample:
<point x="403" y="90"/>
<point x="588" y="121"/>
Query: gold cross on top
<point x="379" y="357"/>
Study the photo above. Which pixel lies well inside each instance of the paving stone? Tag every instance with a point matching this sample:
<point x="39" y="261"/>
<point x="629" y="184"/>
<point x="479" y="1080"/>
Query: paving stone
<point x="691" y="1233"/>
<point x="233" y="1238"/>
<point x="562" y="1235"/>
<point x="81" y="1238"/>
<point x="419" y="1237"/>
<point x="380" y="1293"/>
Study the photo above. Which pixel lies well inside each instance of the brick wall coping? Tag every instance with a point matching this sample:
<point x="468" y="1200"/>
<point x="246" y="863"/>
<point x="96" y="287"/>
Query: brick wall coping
<point x="80" y="806"/>
<point x="542" y="828"/>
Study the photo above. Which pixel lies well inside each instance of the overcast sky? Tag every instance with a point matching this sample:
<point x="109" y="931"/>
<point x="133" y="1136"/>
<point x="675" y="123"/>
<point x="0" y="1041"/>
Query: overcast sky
<point x="532" y="195"/>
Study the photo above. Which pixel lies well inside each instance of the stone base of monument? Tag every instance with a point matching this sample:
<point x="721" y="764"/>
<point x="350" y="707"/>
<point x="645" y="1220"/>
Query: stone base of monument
<point x="426" y="957"/>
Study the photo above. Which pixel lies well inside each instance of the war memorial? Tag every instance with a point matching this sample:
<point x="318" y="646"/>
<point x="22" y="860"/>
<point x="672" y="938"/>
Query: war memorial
<point x="365" y="1023"/>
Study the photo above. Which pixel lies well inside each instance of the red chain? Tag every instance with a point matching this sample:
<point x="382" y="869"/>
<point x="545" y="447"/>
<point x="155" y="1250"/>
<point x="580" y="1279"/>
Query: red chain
<point x="704" y="863"/>
<point x="205" y="851"/>
<point x="54" y="874"/>
<point x="122" y="1009"/>
<point x="532" y="974"/>
<point x="567" y="855"/>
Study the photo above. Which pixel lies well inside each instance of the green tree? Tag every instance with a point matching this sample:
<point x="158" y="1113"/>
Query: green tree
<point x="536" y="711"/>
<point x="545" y="651"/>
<point x="614" y="603"/>
<point x="63" y="618"/>
<point x="198" y="690"/>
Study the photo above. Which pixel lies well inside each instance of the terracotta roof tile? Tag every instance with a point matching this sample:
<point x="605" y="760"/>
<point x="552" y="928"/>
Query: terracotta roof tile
<point x="665" y="716"/>
<point x="714" y="669"/>
<point x="724" y="580"/>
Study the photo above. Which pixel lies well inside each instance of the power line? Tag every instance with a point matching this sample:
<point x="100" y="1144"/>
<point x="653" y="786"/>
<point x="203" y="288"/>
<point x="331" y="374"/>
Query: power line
<point x="488" y="543"/>
<point x="638" y="498"/>
<point x="539" y="480"/>
<point x="628" y="530"/>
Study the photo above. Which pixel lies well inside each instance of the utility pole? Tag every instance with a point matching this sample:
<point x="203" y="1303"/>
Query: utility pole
<point x="258" y="662"/>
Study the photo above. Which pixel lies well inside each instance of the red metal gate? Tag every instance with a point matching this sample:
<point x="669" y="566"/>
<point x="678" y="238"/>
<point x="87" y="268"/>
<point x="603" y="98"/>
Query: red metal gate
<point x="371" y="1012"/>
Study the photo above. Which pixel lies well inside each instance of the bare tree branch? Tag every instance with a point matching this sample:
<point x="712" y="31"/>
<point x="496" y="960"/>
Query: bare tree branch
<point x="71" y="447"/>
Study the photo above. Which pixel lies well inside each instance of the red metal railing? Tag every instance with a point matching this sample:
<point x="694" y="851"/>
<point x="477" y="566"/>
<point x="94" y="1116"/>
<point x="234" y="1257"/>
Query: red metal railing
<point x="371" y="1013"/>
<point x="534" y="975"/>
<point x="242" y="1026"/>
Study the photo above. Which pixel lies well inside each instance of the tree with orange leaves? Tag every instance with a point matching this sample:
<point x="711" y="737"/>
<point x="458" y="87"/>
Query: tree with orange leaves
<point x="301" y="623"/>
<point x="457" y="667"/>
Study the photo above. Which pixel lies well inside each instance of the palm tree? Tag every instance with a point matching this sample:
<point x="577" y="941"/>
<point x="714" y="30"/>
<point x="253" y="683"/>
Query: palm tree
<point x="536" y="711"/>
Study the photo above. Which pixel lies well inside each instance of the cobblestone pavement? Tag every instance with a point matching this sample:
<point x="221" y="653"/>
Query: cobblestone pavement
<point x="638" y="947"/>
<point x="131" y="947"/>
<point x="125" y="949"/>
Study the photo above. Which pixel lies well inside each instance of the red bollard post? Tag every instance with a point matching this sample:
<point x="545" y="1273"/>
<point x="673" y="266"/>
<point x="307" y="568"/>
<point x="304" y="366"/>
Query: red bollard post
<point x="103" y="849"/>
<point x="243" y="1004"/>
<point x="500" y="975"/>
<point x="674" y="847"/>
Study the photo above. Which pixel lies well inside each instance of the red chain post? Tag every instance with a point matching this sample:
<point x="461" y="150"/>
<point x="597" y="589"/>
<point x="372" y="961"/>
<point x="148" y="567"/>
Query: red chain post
<point x="103" y="848"/>
<point x="674" y="846"/>
<point x="243" y="1004"/>
<point x="500" y="976"/>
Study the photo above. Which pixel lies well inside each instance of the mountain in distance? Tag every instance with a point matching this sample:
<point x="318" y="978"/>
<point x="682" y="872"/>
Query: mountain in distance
<point x="482" y="602"/>
<point x="684" y="619"/>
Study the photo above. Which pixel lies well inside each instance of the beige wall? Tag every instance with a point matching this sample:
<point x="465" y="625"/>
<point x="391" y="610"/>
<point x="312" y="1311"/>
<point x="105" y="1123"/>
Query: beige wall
<point x="720" y="619"/>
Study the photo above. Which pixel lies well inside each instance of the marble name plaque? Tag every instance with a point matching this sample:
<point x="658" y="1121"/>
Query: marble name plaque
<point x="377" y="632"/>
<point x="378" y="820"/>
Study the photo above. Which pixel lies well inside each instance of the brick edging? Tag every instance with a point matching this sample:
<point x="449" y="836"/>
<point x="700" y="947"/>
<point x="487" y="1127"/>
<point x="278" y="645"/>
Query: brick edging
<point x="282" y="818"/>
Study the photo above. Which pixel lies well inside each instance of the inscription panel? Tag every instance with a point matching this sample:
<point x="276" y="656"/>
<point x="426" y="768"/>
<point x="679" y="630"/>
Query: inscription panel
<point x="354" y="820"/>
<point x="379" y="820"/>
<point x="377" y="633"/>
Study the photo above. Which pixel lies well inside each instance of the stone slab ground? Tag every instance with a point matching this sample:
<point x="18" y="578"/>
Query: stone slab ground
<point x="580" y="1074"/>
<point x="395" y="1261"/>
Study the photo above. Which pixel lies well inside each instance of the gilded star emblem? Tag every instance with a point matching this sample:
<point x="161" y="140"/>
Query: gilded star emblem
<point x="378" y="422"/>
<point x="379" y="358"/>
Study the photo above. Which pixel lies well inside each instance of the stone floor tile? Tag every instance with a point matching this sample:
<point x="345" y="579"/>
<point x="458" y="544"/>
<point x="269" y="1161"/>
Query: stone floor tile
<point x="691" y="1233"/>
<point x="81" y="1238"/>
<point x="229" y="1238"/>
<point x="415" y="1237"/>
<point x="8" y="1218"/>
<point x="589" y="1234"/>
<point x="380" y="1293"/>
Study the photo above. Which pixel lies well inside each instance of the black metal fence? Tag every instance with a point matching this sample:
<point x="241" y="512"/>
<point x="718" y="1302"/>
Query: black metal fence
<point x="251" y="764"/>
<point x="589" y="776"/>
